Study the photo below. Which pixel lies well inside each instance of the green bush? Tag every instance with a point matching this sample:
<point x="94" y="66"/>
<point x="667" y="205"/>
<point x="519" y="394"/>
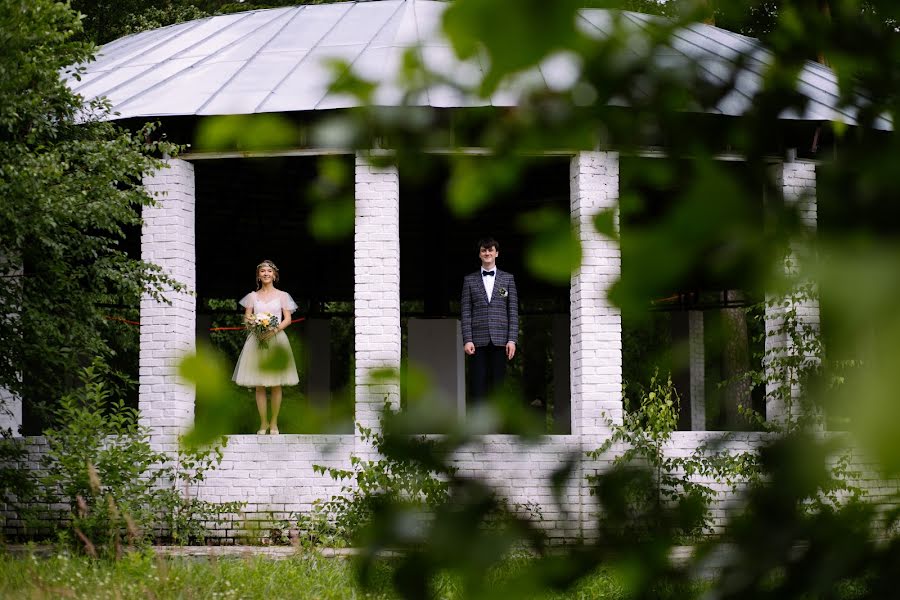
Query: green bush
<point x="184" y="517"/>
<point x="644" y="434"/>
<point x="370" y="483"/>
<point x="117" y="489"/>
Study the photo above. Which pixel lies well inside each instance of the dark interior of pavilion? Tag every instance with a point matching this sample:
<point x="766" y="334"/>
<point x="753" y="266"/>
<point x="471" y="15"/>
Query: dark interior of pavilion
<point x="251" y="209"/>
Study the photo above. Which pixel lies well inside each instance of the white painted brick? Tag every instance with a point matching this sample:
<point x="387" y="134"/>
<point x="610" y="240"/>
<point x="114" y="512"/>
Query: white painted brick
<point x="168" y="331"/>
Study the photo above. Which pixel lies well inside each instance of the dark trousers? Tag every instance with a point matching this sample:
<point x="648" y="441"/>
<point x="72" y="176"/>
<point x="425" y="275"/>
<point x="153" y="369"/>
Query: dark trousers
<point x="487" y="370"/>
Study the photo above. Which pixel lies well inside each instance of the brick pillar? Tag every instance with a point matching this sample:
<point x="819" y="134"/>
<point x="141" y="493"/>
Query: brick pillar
<point x="797" y="181"/>
<point x="376" y="297"/>
<point x="596" y="327"/>
<point x="168" y="331"/>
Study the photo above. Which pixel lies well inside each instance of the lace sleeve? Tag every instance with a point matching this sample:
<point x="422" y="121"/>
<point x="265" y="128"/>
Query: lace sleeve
<point x="288" y="302"/>
<point x="248" y="300"/>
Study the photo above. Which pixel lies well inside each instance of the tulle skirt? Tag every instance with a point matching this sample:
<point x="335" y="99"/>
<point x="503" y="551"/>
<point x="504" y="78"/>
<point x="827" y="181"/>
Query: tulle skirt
<point x="249" y="373"/>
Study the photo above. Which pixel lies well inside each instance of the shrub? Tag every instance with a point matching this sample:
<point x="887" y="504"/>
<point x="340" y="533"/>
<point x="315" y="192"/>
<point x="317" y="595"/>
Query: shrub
<point x="370" y="482"/>
<point x="118" y="489"/>
<point x="645" y="433"/>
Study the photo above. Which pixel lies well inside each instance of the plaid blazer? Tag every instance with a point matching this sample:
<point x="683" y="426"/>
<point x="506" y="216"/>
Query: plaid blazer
<point x="486" y="322"/>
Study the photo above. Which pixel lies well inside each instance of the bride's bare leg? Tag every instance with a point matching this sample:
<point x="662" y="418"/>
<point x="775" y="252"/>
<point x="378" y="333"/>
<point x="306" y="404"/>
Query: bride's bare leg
<point x="261" y="407"/>
<point x="276" y="406"/>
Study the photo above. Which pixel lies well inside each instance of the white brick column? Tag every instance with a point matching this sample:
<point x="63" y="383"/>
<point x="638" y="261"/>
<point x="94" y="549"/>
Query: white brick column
<point x="376" y="297"/>
<point x="797" y="181"/>
<point x="596" y="327"/>
<point x="168" y="331"/>
<point x="10" y="412"/>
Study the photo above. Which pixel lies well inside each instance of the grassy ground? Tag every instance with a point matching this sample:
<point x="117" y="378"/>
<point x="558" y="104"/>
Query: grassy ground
<point x="310" y="576"/>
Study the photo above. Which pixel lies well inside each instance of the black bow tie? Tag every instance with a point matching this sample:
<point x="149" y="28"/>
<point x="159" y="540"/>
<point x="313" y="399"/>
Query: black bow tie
<point x="486" y="273"/>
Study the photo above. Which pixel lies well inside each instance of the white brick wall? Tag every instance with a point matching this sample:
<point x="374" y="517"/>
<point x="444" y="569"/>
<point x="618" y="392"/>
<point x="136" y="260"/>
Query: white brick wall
<point x="797" y="181"/>
<point x="168" y="331"/>
<point x="10" y="412"/>
<point x="274" y="474"/>
<point x="596" y="325"/>
<point x="521" y="473"/>
<point x="376" y="295"/>
<point x="596" y="354"/>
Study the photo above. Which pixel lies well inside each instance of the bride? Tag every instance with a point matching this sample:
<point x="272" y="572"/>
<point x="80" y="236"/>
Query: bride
<point x="255" y="365"/>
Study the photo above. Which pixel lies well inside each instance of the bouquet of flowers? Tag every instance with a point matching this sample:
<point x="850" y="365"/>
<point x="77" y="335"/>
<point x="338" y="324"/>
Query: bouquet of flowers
<point x="261" y="323"/>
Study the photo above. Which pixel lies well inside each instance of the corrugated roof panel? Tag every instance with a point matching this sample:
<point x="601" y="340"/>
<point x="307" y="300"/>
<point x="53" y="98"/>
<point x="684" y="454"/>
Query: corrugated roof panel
<point x="249" y="44"/>
<point x="109" y="63"/>
<point x="387" y="35"/>
<point x="179" y="45"/>
<point x="237" y="102"/>
<point x="304" y="89"/>
<point x="309" y="27"/>
<point x="360" y="24"/>
<point x="595" y="23"/>
<point x="271" y="60"/>
<point x="186" y="92"/>
<point x="231" y="37"/>
<point x="149" y="81"/>
<point x="377" y="64"/>
<point x="264" y="71"/>
<point x="429" y="23"/>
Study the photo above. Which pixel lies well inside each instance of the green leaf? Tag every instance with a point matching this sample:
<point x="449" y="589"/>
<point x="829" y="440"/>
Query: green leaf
<point x="515" y="34"/>
<point x="246" y="132"/>
<point x="554" y="250"/>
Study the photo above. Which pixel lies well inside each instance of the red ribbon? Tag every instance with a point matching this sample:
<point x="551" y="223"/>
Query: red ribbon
<point x="211" y="328"/>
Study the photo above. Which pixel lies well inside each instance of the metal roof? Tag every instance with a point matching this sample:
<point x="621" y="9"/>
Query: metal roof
<point x="275" y="60"/>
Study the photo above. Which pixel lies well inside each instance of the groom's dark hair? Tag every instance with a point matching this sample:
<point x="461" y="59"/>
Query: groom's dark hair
<point x="488" y="242"/>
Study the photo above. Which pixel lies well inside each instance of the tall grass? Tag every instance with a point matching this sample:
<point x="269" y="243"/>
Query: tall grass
<point x="309" y="576"/>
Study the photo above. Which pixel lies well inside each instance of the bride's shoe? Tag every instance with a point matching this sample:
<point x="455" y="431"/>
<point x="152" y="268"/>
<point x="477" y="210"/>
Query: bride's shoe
<point x="273" y="431"/>
<point x="263" y="431"/>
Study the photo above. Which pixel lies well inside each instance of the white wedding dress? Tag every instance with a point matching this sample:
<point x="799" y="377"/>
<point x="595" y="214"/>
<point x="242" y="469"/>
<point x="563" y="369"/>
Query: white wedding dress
<point x="249" y="370"/>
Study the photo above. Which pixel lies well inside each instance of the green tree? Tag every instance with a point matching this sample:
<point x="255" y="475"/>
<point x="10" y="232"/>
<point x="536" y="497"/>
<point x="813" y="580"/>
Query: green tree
<point x="107" y="20"/>
<point x="70" y="189"/>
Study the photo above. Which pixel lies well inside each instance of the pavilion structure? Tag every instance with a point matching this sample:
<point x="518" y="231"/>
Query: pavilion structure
<point x="274" y="61"/>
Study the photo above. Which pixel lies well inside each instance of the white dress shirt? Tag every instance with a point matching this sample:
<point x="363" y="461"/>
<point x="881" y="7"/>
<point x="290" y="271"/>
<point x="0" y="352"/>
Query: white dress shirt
<point x="488" y="281"/>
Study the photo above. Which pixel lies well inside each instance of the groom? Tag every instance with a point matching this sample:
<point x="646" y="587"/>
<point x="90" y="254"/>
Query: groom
<point x="490" y="321"/>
